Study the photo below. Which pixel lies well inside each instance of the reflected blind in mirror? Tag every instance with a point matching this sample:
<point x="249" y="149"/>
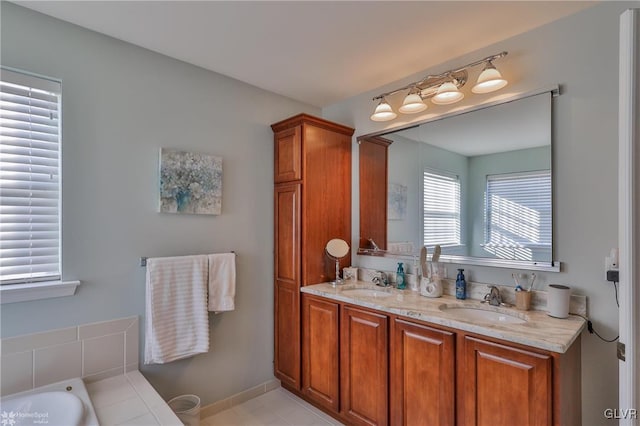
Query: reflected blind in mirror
<point x="441" y="208"/>
<point x="29" y="178"/>
<point x="518" y="215"/>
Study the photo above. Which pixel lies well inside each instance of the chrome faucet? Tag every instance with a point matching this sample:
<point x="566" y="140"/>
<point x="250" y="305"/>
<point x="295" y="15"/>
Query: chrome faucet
<point x="380" y="279"/>
<point x="493" y="297"/>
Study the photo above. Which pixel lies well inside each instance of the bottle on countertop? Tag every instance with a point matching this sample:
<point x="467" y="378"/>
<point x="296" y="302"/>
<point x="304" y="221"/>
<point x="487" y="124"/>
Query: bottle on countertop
<point x="401" y="284"/>
<point x="461" y="285"/>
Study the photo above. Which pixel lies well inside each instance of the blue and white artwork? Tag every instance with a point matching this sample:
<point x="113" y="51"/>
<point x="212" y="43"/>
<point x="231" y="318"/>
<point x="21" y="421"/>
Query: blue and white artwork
<point x="396" y="202"/>
<point x="190" y="183"/>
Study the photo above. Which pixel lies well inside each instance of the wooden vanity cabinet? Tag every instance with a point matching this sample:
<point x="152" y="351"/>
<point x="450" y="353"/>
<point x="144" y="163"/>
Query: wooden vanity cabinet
<point x="364" y="340"/>
<point x="320" y="352"/>
<point x="422" y="375"/>
<point x="366" y="367"/>
<point x="312" y="176"/>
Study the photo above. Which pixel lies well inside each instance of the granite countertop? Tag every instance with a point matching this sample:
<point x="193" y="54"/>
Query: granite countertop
<point x="539" y="331"/>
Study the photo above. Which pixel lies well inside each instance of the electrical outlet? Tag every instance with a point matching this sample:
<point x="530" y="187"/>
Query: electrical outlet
<point x="611" y="266"/>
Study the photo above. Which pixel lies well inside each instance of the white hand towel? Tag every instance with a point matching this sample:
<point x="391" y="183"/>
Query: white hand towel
<point x="177" y="321"/>
<point x="222" y="282"/>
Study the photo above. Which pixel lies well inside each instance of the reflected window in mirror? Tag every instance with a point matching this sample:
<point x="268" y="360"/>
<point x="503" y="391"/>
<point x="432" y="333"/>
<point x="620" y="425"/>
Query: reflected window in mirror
<point x="441" y="209"/>
<point x="518" y="215"/>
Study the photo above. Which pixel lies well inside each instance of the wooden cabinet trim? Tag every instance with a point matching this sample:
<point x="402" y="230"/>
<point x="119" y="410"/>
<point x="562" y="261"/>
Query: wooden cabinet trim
<point x="376" y="139"/>
<point x="299" y="119"/>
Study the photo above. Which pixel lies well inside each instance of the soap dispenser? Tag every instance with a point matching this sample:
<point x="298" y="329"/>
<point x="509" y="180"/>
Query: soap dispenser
<point x="401" y="284"/>
<point x="461" y="285"/>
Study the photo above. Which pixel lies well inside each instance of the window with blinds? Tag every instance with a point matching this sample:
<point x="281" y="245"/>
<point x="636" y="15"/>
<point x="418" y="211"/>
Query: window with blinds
<point x="30" y="191"/>
<point x="518" y="215"/>
<point x="441" y="209"/>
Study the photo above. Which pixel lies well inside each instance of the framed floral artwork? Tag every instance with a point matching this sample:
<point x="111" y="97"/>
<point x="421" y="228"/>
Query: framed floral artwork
<point x="190" y="183"/>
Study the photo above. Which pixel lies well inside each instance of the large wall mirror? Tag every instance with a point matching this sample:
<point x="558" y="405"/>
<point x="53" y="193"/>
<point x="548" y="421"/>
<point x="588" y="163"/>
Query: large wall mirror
<point x="478" y="184"/>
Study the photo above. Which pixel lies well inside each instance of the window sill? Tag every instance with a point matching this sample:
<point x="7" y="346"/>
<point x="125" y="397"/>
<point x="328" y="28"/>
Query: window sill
<point x="13" y="293"/>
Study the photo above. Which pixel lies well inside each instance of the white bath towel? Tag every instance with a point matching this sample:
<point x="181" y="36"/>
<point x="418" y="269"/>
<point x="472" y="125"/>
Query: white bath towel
<point x="222" y="282"/>
<point x="177" y="321"/>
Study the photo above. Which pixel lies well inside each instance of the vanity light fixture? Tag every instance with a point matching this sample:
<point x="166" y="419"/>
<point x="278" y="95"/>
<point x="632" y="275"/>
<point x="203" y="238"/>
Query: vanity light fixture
<point x="413" y="102"/>
<point x="489" y="80"/>
<point x="443" y="89"/>
<point x="383" y="111"/>
<point x="447" y="93"/>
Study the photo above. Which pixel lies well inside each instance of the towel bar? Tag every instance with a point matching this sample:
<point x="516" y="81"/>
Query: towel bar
<point x="143" y="260"/>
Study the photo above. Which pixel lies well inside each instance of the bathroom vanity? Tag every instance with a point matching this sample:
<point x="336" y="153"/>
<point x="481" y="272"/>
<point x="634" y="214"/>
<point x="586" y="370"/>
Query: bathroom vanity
<point x="378" y="356"/>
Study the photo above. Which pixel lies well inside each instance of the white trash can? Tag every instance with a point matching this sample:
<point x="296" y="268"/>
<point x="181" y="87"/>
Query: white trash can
<point x="187" y="408"/>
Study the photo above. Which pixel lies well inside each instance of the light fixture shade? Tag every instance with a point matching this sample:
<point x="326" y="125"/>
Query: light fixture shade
<point x="489" y="80"/>
<point x="383" y="112"/>
<point x="412" y="104"/>
<point x="448" y="93"/>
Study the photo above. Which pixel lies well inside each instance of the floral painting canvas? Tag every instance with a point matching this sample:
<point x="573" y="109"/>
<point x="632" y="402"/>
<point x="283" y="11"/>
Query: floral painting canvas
<point x="396" y="202"/>
<point x="190" y="182"/>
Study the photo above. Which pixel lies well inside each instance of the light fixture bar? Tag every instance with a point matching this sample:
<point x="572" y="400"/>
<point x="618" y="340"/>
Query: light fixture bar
<point x="443" y="76"/>
<point x="428" y="87"/>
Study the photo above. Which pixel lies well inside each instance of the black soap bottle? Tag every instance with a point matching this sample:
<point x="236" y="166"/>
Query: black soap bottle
<point x="401" y="283"/>
<point x="461" y="285"/>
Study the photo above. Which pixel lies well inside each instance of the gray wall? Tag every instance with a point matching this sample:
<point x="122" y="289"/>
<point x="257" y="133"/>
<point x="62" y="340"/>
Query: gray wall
<point x="121" y="104"/>
<point x="580" y="53"/>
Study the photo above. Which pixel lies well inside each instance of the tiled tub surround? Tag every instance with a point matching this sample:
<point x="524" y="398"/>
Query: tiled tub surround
<point x="540" y="331"/>
<point x="91" y="351"/>
<point x="103" y="354"/>
<point x="128" y="399"/>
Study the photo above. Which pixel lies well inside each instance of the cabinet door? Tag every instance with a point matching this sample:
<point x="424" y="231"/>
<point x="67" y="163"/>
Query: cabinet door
<point x="502" y="385"/>
<point x="320" y="357"/>
<point x="288" y="155"/>
<point x="422" y="375"/>
<point x="287" y="284"/>
<point x="364" y="368"/>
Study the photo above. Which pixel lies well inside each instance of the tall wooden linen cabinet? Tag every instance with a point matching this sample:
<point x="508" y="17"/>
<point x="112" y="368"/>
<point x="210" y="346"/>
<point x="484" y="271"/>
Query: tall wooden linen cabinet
<point x="312" y="201"/>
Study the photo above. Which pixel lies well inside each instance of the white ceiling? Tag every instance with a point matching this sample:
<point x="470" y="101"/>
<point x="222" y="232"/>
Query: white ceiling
<point x="318" y="52"/>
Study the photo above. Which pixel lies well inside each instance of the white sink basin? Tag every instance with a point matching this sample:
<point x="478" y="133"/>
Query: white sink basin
<point x="365" y="292"/>
<point x="467" y="313"/>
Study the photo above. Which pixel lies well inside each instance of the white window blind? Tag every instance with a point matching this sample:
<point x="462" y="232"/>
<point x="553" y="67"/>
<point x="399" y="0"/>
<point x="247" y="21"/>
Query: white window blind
<point x="29" y="178"/>
<point x="518" y="215"/>
<point x="441" y="209"/>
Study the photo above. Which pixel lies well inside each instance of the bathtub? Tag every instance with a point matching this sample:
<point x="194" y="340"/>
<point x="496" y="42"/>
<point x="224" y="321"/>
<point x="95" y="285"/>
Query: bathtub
<point x="65" y="403"/>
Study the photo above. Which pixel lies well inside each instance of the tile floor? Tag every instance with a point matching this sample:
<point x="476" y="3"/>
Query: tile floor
<point x="277" y="407"/>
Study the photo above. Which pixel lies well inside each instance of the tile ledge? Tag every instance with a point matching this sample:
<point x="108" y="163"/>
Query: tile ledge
<point x="14" y="293"/>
